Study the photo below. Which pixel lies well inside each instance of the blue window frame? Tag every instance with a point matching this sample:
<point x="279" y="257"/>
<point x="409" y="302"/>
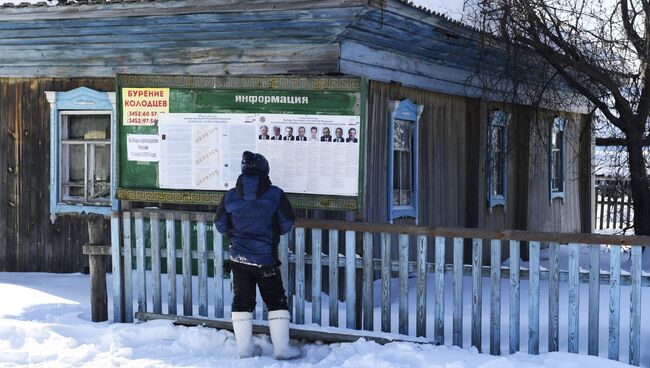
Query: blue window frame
<point x="497" y="143"/>
<point x="556" y="158"/>
<point x="403" y="159"/>
<point x="82" y="134"/>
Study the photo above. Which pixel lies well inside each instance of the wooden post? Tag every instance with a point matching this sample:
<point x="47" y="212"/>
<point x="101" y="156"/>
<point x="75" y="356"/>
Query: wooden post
<point x="97" y="254"/>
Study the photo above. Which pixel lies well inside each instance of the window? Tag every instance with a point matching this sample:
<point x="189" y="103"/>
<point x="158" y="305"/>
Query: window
<point x="497" y="143"/>
<point x="403" y="159"/>
<point x="81" y="169"/>
<point x="556" y="158"/>
<point x="85" y="159"/>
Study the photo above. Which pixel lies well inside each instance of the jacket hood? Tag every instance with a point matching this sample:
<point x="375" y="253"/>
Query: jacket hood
<point x="251" y="187"/>
<point x="254" y="164"/>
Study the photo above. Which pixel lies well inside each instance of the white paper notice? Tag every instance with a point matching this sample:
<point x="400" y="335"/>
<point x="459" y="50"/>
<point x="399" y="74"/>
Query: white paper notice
<point x="206" y="160"/>
<point x="142" y="147"/>
<point x="175" y="156"/>
<point x="194" y="149"/>
<point x="310" y="154"/>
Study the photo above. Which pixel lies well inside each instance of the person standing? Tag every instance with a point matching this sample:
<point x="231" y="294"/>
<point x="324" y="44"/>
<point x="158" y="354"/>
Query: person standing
<point x="253" y="215"/>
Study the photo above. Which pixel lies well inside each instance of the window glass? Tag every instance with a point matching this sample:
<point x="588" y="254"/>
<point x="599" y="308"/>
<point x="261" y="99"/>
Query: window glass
<point x="85" y="164"/>
<point x="89" y="127"/>
<point x="102" y="173"/>
<point x="498" y="160"/>
<point x="556" y="158"/>
<point x="402" y="162"/>
<point x="76" y="163"/>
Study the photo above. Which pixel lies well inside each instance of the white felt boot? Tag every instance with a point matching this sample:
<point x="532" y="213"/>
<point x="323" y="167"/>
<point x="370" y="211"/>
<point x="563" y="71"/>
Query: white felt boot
<point x="242" y="324"/>
<point x="279" y="327"/>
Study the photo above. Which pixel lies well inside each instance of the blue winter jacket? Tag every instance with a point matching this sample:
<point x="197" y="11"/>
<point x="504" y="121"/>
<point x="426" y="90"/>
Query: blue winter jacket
<point x="253" y="215"/>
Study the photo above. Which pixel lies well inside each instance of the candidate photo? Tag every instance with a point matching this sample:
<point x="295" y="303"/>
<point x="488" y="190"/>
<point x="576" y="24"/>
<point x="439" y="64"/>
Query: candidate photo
<point x="264" y="133"/>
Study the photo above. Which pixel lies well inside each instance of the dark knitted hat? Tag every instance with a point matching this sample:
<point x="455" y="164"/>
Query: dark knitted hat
<point x="254" y="164"/>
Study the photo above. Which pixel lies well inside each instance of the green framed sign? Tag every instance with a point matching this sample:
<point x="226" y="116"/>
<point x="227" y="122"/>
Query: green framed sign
<point x="181" y="137"/>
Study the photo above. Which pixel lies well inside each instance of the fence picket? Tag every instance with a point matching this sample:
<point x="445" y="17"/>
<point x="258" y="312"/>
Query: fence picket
<point x="495" y="297"/>
<point x="334" y="277"/>
<point x="385" y="281"/>
<point x="116" y="257"/>
<point x="140" y="262"/>
<point x="283" y="253"/>
<point x="457" y="327"/>
<point x="477" y="292"/>
<point x="554" y="297"/>
<point x="439" y="290"/>
<point x="154" y="235"/>
<point x="614" y="301"/>
<point x="600" y="209"/>
<point x="403" y="284"/>
<point x="621" y="213"/>
<point x="217" y="246"/>
<point x="421" y="296"/>
<point x="514" y="296"/>
<point x="350" y="279"/>
<point x="574" y="298"/>
<point x="187" y="264"/>
<point x="316" y="275"/>
<point x="594" y="299"/>
<point x="368" y="278"/>
<point x="635" y="307"/>
<point x="128" y="268"/>
<point x="629" y="219"/>
<point x="202" y="248"/>
<point x="300" y="276"/>
<point x="533" y="298"/>
<point x="609" y="208"/>
<point x="170" y="243"/>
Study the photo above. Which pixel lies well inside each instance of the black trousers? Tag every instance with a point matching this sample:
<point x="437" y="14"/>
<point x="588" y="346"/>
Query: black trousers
<point x="269" y="280"/>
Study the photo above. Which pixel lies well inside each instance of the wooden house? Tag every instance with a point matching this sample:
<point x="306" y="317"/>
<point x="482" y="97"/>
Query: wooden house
<point x="473" y="159"/>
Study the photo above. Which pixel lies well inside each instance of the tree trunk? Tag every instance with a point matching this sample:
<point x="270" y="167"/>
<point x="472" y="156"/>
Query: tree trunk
<point x="639" y="185"/>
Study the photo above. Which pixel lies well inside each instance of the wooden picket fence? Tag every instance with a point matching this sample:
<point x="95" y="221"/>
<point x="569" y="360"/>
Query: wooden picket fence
<point x="614" y="208"/>
<point x="360" y="269"/>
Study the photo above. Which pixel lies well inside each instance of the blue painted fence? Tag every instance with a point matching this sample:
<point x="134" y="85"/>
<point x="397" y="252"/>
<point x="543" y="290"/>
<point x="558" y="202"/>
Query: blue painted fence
<point x="403" y="254"/>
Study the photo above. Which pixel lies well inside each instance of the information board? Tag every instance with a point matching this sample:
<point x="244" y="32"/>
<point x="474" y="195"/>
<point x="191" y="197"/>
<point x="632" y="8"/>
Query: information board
<point x="181" y="137"/>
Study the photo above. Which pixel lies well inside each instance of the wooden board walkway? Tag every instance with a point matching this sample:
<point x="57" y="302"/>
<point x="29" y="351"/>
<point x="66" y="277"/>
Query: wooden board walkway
<point x="307" y="333"/>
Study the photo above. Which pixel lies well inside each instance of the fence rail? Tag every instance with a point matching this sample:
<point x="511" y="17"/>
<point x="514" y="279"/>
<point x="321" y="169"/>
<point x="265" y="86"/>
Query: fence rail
<point x="359" y="241"/>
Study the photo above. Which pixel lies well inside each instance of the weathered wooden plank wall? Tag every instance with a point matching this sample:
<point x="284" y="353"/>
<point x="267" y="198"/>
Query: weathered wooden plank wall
<point x="453" y="166"/>
<point x="4" y="175"/>
<point x="560" y="214"/>
<point x="102" y="40"/>
<point x="513" y="215"/>
<point x="28" y="240"/>
<point x="442" y="155"/>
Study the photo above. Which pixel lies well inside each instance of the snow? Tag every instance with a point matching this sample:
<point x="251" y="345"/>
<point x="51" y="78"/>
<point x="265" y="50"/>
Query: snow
<point x="45" y="322"/>
<point x="455" y="9"/>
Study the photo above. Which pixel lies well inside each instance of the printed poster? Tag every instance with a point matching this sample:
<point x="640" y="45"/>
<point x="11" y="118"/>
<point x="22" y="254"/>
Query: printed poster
<point x="308" y="154"/>
<point x="141" y="106"/>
